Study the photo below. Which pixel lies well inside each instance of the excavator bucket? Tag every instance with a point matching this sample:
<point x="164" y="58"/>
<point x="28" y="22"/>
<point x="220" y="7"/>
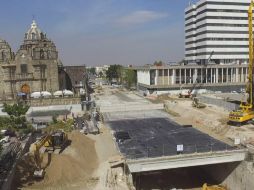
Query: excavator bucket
<point x="39" y="173"/>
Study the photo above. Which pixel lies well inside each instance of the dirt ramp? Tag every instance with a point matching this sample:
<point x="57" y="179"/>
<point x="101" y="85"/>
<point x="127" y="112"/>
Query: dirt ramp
<point x="69" y="170"/>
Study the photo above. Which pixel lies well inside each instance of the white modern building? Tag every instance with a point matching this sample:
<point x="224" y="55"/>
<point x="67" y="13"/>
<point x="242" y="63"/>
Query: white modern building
<point x="173" y="78"/>
<point x="219" y="26"/>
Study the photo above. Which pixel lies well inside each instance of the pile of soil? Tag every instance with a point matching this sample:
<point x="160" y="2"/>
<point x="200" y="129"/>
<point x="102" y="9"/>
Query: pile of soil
<point x="69" y="170"/>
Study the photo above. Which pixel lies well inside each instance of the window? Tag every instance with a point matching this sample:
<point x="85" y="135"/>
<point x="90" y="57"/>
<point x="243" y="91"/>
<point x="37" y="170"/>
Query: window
<point x="165" y="72"/>
<point x="160" y="73"/>
<point x="3" y="56"/>
<point x="33" y="36"/>
<point x="23" y="68"/>
<point x="41" y="54"/>
<point x="42" y="36"/>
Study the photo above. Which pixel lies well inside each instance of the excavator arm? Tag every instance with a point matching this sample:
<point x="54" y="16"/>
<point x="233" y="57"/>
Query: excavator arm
<point x="50" y="142"/>
<point x="37" y="149"/>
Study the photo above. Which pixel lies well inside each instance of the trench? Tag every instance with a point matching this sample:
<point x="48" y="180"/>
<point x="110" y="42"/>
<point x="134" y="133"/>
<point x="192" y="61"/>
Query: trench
<point x="189" y="178"/>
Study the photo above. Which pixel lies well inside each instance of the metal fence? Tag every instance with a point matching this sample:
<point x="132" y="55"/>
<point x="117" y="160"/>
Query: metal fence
<point x="112" y="116"/>
<point x="170" y="150"/>
<point x="130" y="107"/>
<point x="218" y="102"/>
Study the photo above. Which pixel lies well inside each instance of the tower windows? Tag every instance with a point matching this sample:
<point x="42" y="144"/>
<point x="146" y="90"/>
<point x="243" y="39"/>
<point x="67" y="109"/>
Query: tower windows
<point x="23" y="68"/>
<point x="41" y="54"/>
<point x="33" y="36"/>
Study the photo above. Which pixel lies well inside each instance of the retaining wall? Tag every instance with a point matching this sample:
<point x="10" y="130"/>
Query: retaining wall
<point x="48" y="101"/>
<point x="130" y="107"/>
<point x="218" y="102"/>
<point x="25" y="148"/>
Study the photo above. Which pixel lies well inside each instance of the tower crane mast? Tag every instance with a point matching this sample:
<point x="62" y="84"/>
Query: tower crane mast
<point x="246" y="111"/>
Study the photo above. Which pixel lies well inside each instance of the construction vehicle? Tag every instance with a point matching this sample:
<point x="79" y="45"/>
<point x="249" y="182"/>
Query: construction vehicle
<point x="185" y="93"/>
<point x="197" y="104"/>
<point x="57" y="141"/>
<point x="190" y="93"/>
<point x="246" y="112"/>
<point x="213" y="187"/>
<point x="49" y="143"/>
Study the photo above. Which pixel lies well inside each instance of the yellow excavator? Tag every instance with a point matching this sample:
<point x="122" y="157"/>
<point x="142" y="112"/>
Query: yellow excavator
<point x="246" y="110"/>
<point x="213" y="187"/>
<point x="51" y="142"/>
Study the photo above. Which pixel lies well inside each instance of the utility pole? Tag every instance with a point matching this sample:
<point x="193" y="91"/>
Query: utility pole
<point x="85" y="99"/>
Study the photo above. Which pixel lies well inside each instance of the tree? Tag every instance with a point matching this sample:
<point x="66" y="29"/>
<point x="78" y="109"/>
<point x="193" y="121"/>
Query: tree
<point x="17" y="113"/>
<point x="130" y="77"/>
<point x="92" y="70"/>
<point x="114" y="72"/>
<point x="100" y="74"/>
<point x="1" y="146"/>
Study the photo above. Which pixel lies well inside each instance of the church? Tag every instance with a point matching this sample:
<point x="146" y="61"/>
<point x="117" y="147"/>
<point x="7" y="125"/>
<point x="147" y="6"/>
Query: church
<point x="33" y="68"/>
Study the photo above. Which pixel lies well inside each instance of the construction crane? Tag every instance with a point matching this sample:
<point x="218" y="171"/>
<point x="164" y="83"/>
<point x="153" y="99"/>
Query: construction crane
<point x="50" y="143"/>
<point x="246" y="111"/>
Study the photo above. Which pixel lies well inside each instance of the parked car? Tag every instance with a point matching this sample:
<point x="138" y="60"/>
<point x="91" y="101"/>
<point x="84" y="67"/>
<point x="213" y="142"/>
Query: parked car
<point x="5" y="140"/>
<point x="8" y="132"/>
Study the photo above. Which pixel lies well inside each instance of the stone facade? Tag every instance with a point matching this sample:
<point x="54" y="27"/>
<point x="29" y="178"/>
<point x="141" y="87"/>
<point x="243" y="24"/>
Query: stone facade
<point x="71" y="78"/>
<point x="33" y="68"/>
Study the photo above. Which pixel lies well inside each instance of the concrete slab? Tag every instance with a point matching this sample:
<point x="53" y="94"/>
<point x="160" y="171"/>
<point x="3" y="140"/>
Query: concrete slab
<point x="155" y="137"/>
<point x="189" y="160"/>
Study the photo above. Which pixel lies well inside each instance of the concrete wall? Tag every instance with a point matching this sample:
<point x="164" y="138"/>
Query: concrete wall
<point x="236" y="176"/>
<point x="242" y="177"/>
<point x="218" y="102"/>
<point x="143" y="76"/>
<point x="8" y="181"/>
<point x="49" y="101"/>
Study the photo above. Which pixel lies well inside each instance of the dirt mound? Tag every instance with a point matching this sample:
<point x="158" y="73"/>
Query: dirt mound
<point x="71" y="169"/>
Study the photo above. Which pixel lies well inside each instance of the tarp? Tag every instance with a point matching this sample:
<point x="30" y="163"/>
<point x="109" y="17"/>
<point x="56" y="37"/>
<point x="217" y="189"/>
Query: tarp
<point x="21" y="94"/>
<point x="58" y="93"/>
<point x="68" y="93"/>
<point x="35" y="95"/>
<point x="63" y="93"/>
<point x="44" y="94"/>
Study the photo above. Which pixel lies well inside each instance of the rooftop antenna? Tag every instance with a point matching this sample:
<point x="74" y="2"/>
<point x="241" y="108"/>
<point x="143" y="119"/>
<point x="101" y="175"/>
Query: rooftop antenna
<point x="190" y="3"/>
<point x="33" y="16"/>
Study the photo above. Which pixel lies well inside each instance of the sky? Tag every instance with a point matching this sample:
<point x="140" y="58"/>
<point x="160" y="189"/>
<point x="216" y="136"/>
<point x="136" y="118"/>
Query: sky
<point x="101" y="32"/>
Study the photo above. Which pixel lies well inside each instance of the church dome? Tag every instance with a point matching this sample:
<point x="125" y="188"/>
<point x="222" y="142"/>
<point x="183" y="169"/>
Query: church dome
<point x="34" y="33"/>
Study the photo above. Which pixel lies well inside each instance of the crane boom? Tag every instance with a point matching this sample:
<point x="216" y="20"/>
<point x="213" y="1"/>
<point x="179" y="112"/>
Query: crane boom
<point x="246" y="111"/>
<point x="250" y="71"/>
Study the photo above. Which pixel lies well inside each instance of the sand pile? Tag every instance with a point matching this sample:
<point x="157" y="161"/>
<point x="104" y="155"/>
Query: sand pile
<point x="71" y="169"/>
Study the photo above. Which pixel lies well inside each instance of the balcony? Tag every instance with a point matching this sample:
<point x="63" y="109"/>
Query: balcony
<point x="20" y="77"/>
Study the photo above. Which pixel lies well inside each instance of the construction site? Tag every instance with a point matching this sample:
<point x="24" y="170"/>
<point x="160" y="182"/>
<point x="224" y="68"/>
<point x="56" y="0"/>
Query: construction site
<point x="161" y="142"/>
<point x="192" y="136"/>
